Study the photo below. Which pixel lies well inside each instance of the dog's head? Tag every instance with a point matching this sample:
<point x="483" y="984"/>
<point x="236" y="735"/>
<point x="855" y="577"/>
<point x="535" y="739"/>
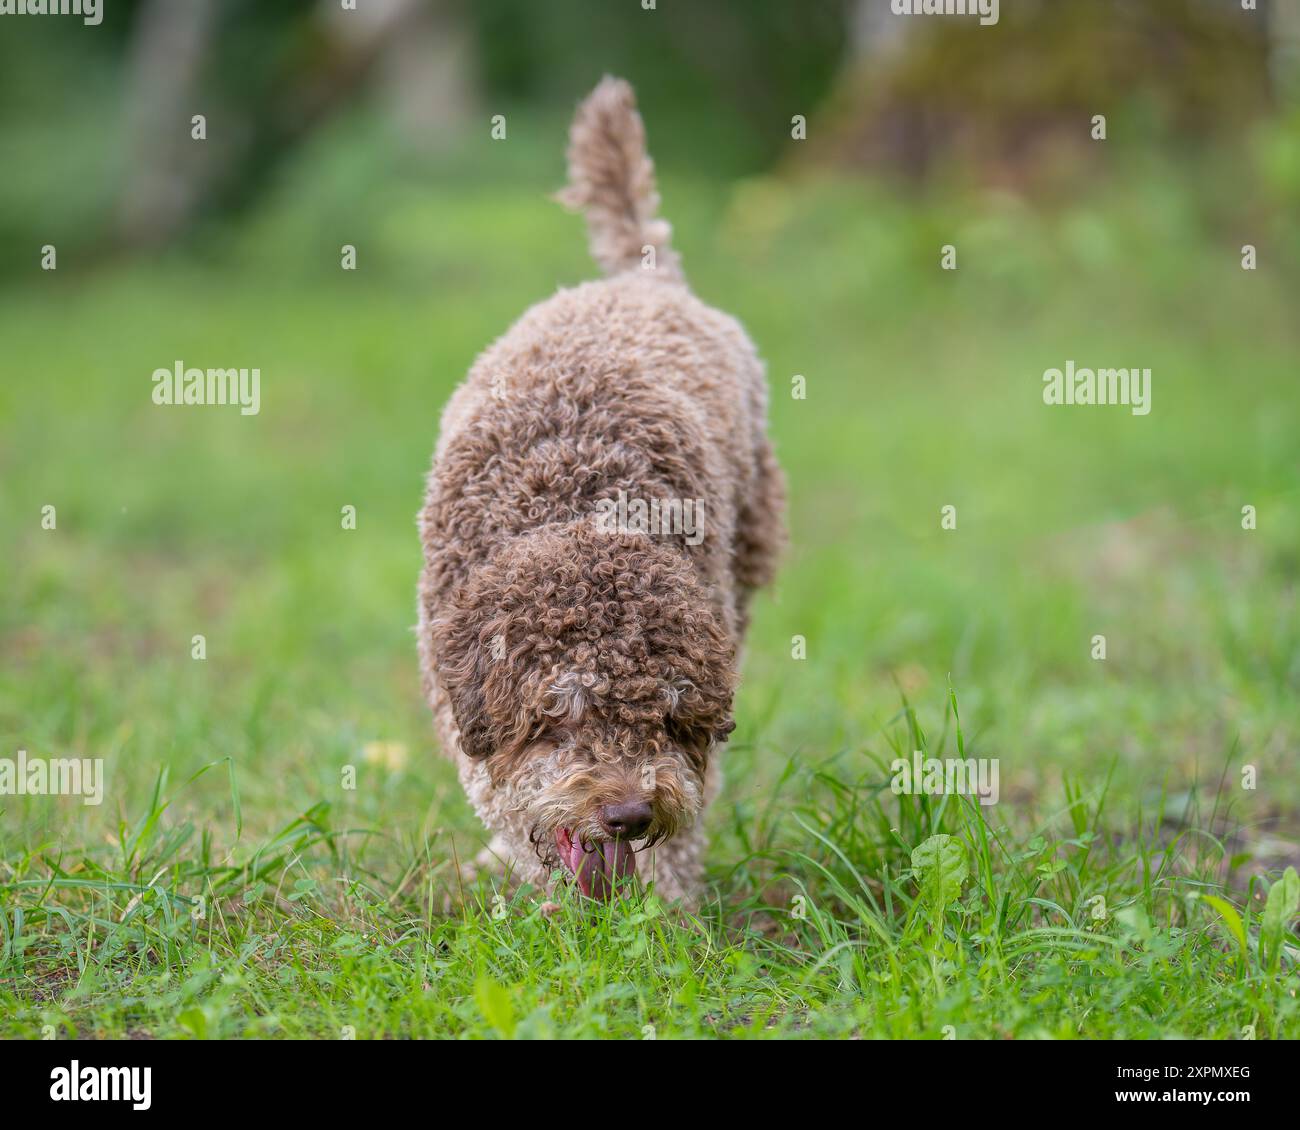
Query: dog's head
<point x="591" y="673"/>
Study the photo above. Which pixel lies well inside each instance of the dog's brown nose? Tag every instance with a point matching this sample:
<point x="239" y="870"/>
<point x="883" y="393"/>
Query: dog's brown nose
<point x="627" y="821"/>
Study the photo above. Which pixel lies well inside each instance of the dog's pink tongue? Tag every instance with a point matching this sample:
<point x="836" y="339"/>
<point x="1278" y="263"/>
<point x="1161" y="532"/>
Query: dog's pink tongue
<point x="599" y="870"/>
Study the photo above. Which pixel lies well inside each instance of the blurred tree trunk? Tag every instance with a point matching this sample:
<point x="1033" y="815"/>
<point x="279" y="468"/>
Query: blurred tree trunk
<point x="184" y="61"/>
<point x="875" y="33"/>
<point x="428" y="75"/>
<point x="1284" y="50"/>
<point x="878" y="42"/>
<point x="167" y="167"/>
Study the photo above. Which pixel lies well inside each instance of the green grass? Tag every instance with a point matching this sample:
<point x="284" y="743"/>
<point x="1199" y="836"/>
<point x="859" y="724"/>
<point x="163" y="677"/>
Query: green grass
<point x="230" y="885"/>
<point x="821" y="927"/>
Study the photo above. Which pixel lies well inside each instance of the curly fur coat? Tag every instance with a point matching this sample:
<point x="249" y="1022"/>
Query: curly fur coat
<point x="581" y="667"/>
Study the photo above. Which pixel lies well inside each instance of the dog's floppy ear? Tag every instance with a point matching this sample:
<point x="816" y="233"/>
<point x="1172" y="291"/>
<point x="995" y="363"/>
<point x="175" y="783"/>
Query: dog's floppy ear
<point x="697" y="740"/>
<point x="462" y="668"/>
<point x="470" y="649"/>
<point x="704" y="684"/>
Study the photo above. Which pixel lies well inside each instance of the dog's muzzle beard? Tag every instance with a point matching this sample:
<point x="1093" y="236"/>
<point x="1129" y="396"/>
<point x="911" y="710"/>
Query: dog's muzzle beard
<point x="591" y="815"/>
<point x="600" y="869"/>
<point x="599" y="865"/>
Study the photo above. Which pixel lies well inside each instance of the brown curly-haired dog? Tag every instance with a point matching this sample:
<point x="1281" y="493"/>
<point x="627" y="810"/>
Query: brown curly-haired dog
<point x="602" y="504"/>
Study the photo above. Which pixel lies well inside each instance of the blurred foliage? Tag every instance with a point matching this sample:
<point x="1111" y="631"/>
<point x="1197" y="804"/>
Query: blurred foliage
<point x="718" y="81"/>
<point x="725" y="73"/>
<point x="735" y="72"/>
<point x="1015" y="101"/>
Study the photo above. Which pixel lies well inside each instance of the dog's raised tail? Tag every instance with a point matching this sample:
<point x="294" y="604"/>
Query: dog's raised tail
<point x="612" y="179"/>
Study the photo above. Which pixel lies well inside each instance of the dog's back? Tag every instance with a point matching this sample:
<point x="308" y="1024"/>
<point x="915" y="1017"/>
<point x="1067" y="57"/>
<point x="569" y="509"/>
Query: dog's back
<point x="625" y="383"/>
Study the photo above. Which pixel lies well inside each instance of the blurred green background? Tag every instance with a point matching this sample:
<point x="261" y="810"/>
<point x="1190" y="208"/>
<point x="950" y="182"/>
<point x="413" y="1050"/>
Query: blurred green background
<point x="372" y="128"/>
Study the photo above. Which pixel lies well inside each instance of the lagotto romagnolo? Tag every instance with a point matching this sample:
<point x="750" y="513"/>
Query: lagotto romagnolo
<point x="581" y="668"/>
